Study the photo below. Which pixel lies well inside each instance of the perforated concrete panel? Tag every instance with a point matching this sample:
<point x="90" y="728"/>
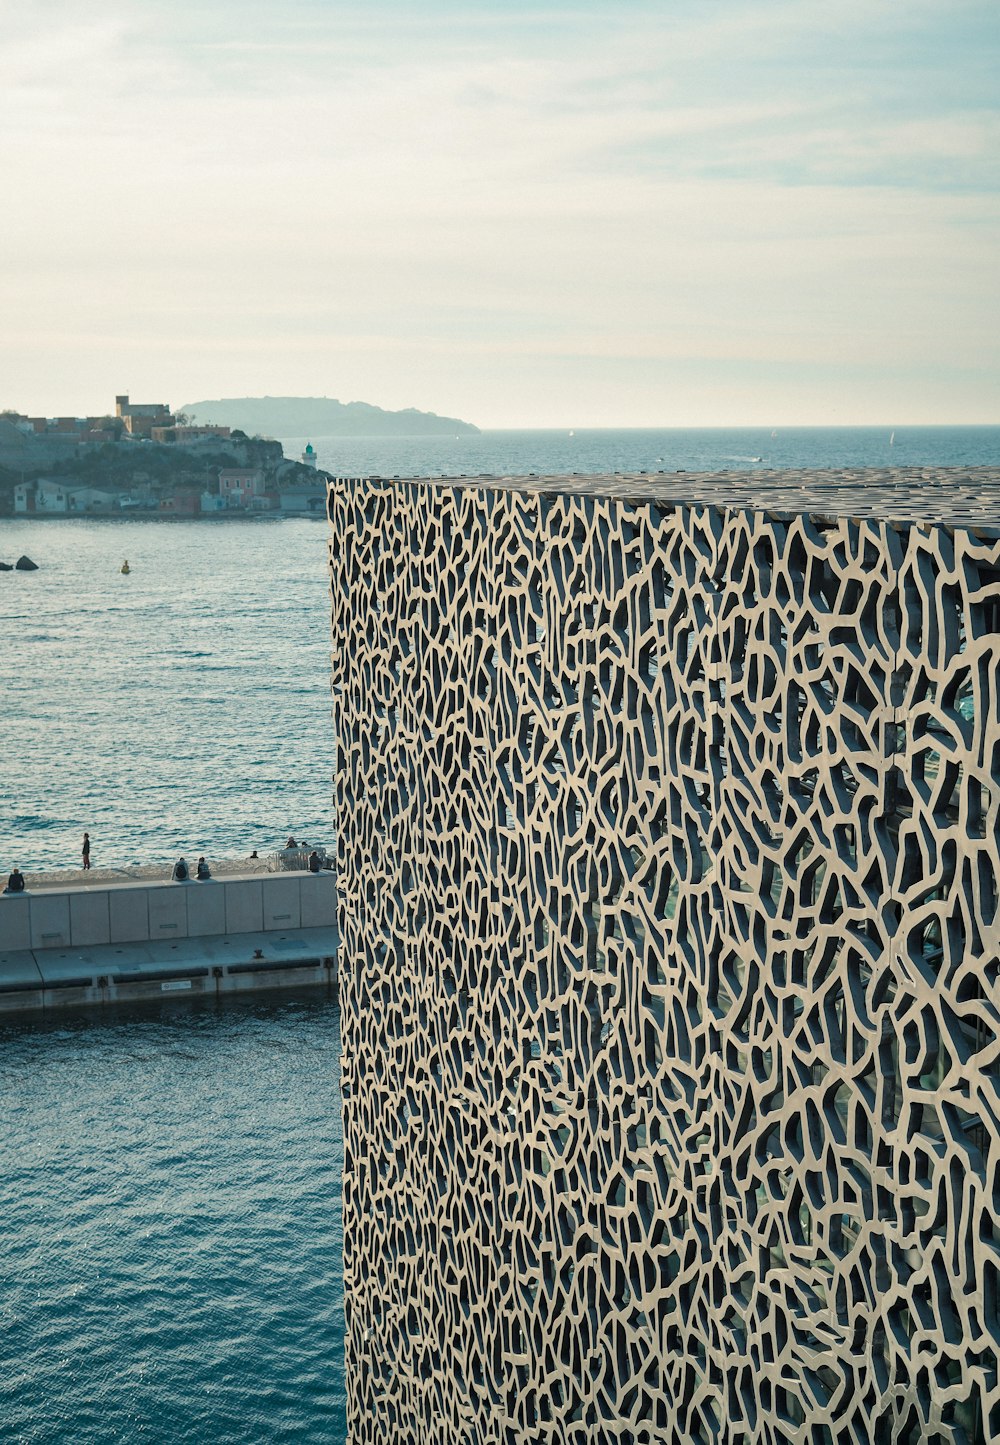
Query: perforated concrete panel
<point x="667" y="823"/>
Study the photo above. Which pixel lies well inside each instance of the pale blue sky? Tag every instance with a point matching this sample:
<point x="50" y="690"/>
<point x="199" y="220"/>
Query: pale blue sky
<point x="576" y="214"/>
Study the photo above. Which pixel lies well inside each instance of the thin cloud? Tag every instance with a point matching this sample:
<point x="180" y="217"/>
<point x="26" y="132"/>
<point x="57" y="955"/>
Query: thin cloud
<point x="748" y="186"/>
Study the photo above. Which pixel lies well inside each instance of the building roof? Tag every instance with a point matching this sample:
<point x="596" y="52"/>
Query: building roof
<point x="952" y="496"/>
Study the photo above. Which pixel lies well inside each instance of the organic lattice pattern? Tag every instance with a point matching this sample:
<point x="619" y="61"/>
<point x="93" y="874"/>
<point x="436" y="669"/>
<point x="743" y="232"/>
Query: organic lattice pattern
<point x="668" y="870"/>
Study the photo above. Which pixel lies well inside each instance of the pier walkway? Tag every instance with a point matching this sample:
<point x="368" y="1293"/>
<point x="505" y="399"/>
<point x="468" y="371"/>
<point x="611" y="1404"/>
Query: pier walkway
<point x="96" y="940"/>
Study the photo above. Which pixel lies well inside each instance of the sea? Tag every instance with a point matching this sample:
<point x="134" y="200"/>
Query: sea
<point x="170" y="1269"/>
<point x="170" y="1198"/>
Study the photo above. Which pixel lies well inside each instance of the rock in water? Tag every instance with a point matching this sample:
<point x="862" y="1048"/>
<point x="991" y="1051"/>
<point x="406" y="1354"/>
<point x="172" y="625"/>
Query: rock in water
<point x="6" y="567"/>
<point x="25" y="564"/>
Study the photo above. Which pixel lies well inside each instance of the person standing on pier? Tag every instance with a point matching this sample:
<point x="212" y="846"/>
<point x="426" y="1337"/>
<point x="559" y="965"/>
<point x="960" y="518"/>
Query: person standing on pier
<point x="86" y="850"/>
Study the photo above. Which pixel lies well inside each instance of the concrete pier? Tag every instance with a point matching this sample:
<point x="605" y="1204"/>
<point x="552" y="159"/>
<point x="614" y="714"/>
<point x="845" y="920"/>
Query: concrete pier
<point x="92" y="945"/>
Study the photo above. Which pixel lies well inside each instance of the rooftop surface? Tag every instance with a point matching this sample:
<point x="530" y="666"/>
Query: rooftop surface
<point x="967" y="497"/>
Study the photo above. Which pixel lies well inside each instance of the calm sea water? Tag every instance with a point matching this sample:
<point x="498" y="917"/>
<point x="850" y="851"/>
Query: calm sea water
<point x="184" y="708"/>
<point x="515" y="453"/>
<point x="170" y="1197"/>
<point x="171" y="1268"/>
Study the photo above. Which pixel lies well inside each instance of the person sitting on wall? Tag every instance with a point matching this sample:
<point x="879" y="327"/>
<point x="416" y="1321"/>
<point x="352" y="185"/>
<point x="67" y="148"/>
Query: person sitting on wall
<point x="15" y="882"/>
<point x="314" y="862"/>
<point x="203" y="869"/>
<point x="180" y="871"/>
<point x="291" y="842"/>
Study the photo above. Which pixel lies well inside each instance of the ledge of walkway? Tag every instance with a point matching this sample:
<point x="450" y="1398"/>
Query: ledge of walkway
<point x="96" y="940"/>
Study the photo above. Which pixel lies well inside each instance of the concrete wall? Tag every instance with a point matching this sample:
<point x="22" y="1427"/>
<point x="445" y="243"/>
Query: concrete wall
<point x="141" y="913"/>
<point x="670" y="979"/>
<point x="94" y="946"/>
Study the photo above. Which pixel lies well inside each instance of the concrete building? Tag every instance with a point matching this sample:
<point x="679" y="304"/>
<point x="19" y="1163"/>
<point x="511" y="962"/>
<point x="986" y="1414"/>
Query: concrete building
<point x="188" y="435"/>
<point x="24" y="497"/>
<point x="141" y="417"/>
<point x="24" y="424"/>
<point x="304" y="501"/>
<point x="669" y="865"/>
<point x="55" y="495"/>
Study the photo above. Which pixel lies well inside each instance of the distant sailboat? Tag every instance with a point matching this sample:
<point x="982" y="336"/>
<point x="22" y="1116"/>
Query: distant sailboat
<point x="892" y="439"/>
<point x="125" y="569"/>
<point x="572" y="433"/>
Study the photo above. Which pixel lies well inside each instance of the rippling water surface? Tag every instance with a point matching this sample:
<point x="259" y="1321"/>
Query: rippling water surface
<point x="170" y="1198"/>
<point x="182" y="709"/>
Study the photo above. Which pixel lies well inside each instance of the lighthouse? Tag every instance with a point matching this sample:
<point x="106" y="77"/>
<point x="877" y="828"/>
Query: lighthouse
<point x="309" y="456"/>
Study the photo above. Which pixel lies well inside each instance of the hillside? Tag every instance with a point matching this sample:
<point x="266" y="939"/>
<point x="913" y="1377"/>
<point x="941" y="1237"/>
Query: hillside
<point x="142" y="468"/>
<point x="307" y="416"/>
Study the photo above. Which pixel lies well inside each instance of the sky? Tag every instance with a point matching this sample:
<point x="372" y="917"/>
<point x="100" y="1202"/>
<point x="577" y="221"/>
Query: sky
<point x="688" y="213"/>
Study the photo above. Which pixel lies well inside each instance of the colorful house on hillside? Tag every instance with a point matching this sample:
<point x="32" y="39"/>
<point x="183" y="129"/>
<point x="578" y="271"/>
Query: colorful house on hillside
<point x="242" y="487"/>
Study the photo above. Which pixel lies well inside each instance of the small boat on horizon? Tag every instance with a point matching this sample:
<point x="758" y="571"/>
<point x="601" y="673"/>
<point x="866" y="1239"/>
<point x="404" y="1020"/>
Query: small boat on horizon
<point x="125" y="569"/>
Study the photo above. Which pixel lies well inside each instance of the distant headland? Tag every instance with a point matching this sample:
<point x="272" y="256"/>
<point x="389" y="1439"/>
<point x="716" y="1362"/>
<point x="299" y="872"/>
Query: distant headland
<point x="299" y="416"/>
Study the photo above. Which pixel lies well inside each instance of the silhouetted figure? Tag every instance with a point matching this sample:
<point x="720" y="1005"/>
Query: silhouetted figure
<point x="203" y="871"/>
<point x="86" y="851"/>
<point x="180" y="871"/>
<point x="291" y="842"/>
<point x="15" y="882"/>
<point x="314" y="864"/>
<point x="254" y="853"/>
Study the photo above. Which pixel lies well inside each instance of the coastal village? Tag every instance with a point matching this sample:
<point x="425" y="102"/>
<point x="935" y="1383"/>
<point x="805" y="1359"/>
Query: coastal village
<point x="146" y="460"/>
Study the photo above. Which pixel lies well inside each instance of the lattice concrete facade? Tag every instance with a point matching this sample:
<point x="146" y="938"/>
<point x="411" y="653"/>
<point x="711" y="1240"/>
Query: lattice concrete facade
<point x="669" y="972"/>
